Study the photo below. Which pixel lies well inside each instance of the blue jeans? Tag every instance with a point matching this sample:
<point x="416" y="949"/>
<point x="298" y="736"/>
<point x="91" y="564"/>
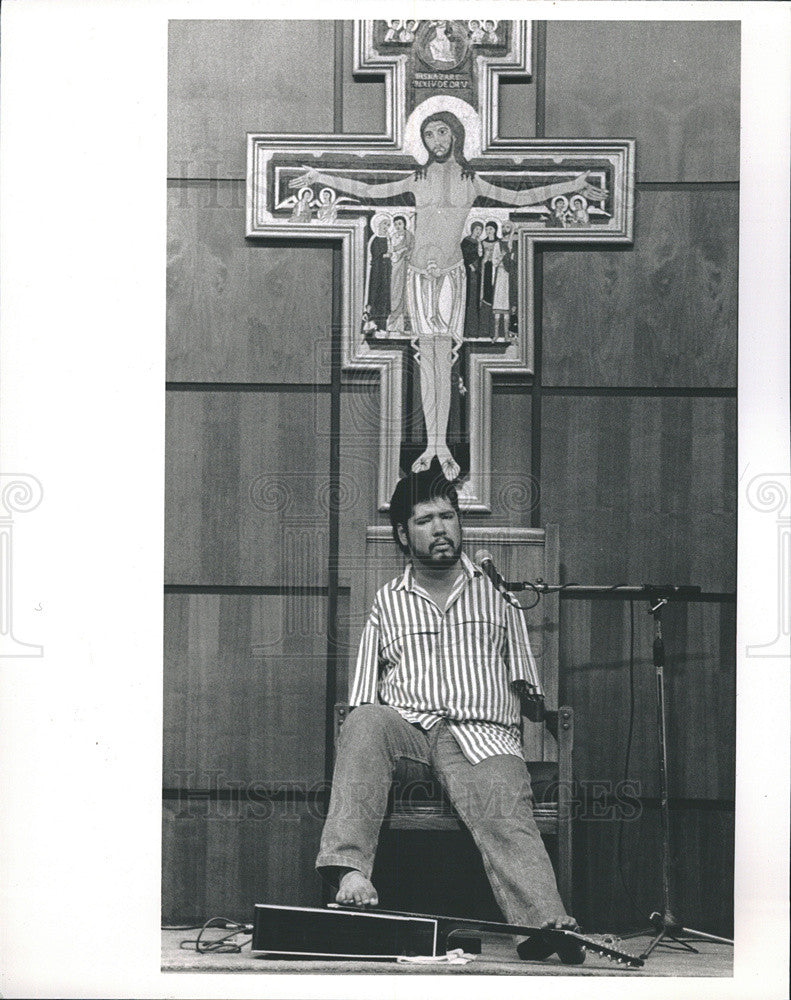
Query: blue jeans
<point x="493" y="798"/>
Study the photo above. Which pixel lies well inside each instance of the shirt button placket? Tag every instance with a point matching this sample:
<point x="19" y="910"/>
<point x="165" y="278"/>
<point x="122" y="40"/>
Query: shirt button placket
<point x="441" y="663"/>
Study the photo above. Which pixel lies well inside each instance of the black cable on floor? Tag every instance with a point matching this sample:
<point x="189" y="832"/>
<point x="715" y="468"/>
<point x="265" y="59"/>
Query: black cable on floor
<point x="222" y="944"/>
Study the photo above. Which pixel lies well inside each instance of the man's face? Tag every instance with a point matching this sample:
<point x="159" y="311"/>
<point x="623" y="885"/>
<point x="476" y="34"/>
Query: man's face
<point x="400" y="225"/>
<point x="476" y="232"/>
<point x="490" y="232"/>
<point x="438" y="139"/>
<point x="433" y="534"/>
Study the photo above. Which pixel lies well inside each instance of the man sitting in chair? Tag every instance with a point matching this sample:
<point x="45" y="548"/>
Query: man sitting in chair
<point x="441" y="662"/>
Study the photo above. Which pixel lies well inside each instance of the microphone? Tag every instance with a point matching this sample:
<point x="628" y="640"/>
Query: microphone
<point x="485" y="561"/>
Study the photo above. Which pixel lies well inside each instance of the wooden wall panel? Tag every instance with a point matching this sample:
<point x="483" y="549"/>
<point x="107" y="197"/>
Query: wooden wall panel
<point x="244" y="689"/>
<point x="359" y="472"/>
<point x="246" y="488"/>
<point x="221" y="858"/>
<point x="662" y="313"/>
<point x="359" y="478"/>
<point x="644" y="490"/>
<point x="701" y="700"/>
<point x="702" y="848"/>
<point x="235" y="311"/>
<point x="674" y="86"/>
<point x="228" y="78"/>
<point x="700" y="675"/>
<point x="513" y="490"/>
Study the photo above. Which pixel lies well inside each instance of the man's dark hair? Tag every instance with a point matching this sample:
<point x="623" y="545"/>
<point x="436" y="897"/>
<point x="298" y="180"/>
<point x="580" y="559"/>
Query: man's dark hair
<point x="400" y="218"/>
<point x="419" y="487"/>
<point x="457" y="150"/>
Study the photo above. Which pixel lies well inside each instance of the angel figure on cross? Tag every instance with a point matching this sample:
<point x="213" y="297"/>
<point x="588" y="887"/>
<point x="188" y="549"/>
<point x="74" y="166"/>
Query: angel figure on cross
<point x="444" y="188"/>
<point x="327" y="205"/>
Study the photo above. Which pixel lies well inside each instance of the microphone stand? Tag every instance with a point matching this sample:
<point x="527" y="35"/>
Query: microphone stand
<point x="664" y="924"/>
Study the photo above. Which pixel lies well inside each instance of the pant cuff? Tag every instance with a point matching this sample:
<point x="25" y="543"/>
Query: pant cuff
<point x="324" y="861"/>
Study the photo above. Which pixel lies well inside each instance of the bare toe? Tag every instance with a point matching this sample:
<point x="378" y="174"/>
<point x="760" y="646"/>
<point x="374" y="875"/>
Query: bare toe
<point x="451" y="469"/>
<point x="356" y="890"/>
<point x="564" y="923"/>
<point x="422" y="462"/>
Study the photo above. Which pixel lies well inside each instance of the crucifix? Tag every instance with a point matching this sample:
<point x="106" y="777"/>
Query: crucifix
<point x="437" y="220"/>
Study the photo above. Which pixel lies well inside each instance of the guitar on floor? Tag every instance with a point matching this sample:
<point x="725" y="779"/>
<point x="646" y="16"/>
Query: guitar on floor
<point x="548" y="940"/>
<point x="353" y="933"/>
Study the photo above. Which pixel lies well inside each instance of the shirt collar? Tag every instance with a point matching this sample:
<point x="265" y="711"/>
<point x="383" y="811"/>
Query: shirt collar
<point x="468" y="566"/>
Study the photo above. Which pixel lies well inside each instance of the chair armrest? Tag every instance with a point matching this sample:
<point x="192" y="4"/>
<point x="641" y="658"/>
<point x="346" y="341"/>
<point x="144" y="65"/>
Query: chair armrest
<point x="564" y="733"/>
<point x="341" y="712"/>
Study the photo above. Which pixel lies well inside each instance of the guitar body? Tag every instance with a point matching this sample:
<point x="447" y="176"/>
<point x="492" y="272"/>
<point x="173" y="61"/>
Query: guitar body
<point x="302" y="932"/>
<point x="351" y="933"/>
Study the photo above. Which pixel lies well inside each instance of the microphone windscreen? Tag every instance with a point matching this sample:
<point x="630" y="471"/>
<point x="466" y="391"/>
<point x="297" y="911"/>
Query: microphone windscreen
<point x="482" y="556"/>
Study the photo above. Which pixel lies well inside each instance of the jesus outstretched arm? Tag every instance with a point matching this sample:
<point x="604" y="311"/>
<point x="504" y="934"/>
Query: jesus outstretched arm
<point x="536" y="195"/>
<point x="350" y="185"/>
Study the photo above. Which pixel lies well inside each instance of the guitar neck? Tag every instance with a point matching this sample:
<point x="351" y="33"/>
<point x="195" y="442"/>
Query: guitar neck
<point x="446" y="923"/>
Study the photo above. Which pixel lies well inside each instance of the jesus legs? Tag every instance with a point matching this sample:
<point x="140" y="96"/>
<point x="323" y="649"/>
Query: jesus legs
<point x="436" y="363"/>
<point x="436" y="306"/>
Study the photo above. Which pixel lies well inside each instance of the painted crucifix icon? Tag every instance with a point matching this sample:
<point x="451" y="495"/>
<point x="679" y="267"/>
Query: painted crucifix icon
<point x="438" y="233"/>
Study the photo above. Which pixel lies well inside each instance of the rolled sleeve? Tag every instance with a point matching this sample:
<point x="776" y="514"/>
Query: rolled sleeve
<point x="364" y="689"/>
<point x="521" y="663"/>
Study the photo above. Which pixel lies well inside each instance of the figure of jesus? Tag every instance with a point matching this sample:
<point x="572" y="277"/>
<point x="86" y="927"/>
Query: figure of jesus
<point x="444" y="190"/>
<point x="440" y="47"/>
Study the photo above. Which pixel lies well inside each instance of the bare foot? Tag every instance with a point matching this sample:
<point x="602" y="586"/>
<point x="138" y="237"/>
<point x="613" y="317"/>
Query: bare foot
<point x="423" y="462"/>
<point x="448" y="464"/>
<point x="356" y="890"/>
<point x="539" y="947"/>
<point x="570" y="952"/>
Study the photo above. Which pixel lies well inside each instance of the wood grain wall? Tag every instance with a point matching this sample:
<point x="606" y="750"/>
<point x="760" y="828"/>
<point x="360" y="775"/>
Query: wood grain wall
<point x="626" y="439"/>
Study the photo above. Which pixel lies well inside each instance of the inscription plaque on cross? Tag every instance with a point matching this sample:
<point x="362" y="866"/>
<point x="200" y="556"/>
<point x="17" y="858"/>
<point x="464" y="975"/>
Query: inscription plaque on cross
<point x="437" y="220"/>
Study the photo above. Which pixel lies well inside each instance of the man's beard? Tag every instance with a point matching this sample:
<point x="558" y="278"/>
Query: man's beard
<point x="449" y="555"/>
<point x="441" y="157"/>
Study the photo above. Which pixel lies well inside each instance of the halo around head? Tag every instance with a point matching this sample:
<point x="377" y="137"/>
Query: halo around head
<point x="377" y="218"/>
<point x="466" y="114"/>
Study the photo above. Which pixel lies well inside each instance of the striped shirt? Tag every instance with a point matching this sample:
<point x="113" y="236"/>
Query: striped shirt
<point x="457" y="664"/>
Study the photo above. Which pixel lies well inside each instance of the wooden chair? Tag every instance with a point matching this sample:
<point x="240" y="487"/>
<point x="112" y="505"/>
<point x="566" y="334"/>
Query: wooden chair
<point x="520" y="554"/>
